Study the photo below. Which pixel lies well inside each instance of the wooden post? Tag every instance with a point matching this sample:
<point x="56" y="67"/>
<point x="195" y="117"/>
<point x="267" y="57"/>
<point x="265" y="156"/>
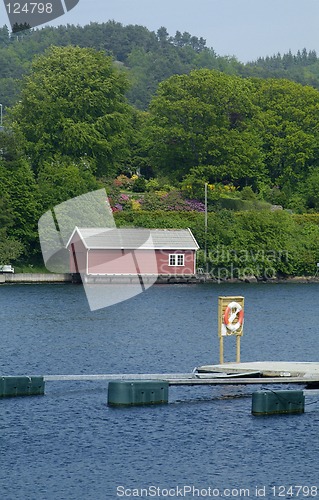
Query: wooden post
<point x="237" y="348"/>
<point x="221" y="350"/>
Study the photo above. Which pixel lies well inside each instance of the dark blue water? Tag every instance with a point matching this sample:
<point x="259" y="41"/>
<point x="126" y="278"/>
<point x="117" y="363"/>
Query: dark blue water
<point x="70" y="445"/>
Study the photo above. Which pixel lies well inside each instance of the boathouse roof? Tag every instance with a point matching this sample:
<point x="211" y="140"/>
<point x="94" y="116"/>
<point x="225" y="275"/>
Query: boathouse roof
<point x="134" y="238"/>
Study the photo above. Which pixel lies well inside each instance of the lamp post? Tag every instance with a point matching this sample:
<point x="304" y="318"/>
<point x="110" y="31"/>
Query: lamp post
<point x="0" y="115"/>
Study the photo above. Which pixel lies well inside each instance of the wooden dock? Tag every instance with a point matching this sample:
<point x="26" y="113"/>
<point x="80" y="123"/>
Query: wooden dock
<point x="255" y="373"/>
<point x="267" y="368"/>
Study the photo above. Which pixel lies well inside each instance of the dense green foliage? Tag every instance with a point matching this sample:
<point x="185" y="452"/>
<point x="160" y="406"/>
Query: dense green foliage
<point x="225" y="130"/>
<point x="264" y="244"/>
<point x="150" y="57"/>
<point x="206" y="119"/>
<point x="153" y="118"/>
<point x="72" y="105"/>
<point x="19" y="202"/>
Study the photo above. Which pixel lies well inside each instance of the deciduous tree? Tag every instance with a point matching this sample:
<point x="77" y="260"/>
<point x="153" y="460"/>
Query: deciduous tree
<point x="206" y="118"/>
<point x="73" y="104"/>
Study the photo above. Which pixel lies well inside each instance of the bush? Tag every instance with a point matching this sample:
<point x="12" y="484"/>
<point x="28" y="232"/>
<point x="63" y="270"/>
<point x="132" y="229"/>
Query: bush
<point x="243" y="205"/>
<point x="248" y="194"/>
<point x="152" y="185"/>
<point x="139" y="185"/>
<point x="261" y="243"/>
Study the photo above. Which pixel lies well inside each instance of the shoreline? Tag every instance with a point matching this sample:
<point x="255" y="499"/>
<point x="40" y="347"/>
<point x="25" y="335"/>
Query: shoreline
<point x="28" y="278"/>
<point x="45" y="278"/>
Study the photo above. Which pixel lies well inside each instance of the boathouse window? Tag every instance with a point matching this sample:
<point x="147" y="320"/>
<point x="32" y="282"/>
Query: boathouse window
<point x="176" y="259"/>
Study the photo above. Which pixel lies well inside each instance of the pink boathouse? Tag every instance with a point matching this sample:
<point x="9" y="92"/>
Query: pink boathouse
<point x="118" y="252"/>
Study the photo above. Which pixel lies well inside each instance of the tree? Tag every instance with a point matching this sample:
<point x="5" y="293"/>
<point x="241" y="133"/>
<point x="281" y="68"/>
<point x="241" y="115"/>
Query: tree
<point x="4" y="36"/>
<point x="288" y="126"/>
<point x="17" y="28"/>
<point x="310" y="191"/>
<point x="73" y="104"/>
<point x="20" y="187"/>
<point x="162" y="35"/>
<point x="19" y="191"/>
<point x="62" y="179"/>
<point x="206" y="118"/>
<point x="10" y="248"/>
<point x="139" y="145"/>
<point x="149" y="68"/>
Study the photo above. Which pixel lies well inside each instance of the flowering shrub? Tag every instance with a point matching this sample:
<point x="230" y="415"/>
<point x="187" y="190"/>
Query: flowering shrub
<point x="152" y="185"/>
<point x="136" y="204"/>
<point x="124" y="197"/>
<point x="152" y="202"/>
<point x="172" y="201"/>
<point x="117" y="207"/>
<point x="196" y="205"/>
<point x="193" y="187"/>
<point x="124" y="182"/>
<point x="228" y="188"/>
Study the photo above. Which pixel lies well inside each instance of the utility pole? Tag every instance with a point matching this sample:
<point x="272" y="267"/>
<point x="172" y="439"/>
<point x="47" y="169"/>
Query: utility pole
<point x="206" y="221"/>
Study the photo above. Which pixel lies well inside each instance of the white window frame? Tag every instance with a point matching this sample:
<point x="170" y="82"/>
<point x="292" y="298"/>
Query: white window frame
<point x="176" y="259"/>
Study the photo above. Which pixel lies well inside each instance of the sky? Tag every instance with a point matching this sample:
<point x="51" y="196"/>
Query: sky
<point x="247" y="29"/>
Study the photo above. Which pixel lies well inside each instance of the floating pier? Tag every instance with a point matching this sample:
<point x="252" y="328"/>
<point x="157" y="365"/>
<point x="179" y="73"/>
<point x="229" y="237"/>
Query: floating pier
<point x="129" y="389"/>
<point x="258" y="372"/>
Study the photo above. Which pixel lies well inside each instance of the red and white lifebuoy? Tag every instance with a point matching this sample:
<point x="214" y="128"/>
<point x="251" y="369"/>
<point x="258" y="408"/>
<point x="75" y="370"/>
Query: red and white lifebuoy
<point x="233" y="311"/>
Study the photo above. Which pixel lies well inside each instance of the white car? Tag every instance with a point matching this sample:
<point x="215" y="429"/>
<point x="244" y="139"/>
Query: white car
<point x="7" y="269"/>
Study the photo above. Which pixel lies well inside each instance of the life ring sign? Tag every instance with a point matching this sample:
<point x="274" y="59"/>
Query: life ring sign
<point x="233" y="319"/>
